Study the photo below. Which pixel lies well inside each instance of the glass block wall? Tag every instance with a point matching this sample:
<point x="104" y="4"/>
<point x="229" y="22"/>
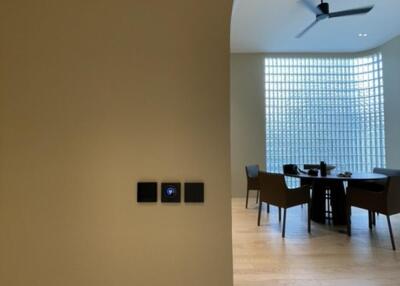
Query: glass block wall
<point x="325" y="109"/>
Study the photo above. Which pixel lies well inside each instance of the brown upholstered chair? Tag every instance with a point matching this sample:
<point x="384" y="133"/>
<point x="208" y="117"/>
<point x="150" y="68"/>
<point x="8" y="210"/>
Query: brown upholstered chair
<point x="273" y="190"/>
<point x="252" y="181"/>
<point x="376" y="197"/>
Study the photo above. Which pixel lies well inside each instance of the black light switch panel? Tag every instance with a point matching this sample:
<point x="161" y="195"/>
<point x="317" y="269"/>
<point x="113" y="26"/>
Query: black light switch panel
<point x="194" y="192"/>
<point x="170" y="192"/>
<point x="146" y="192"/>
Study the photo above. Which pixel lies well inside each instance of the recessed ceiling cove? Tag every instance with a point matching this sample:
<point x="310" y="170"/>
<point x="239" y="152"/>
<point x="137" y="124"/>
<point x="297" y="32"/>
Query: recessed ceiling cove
<point x="274" y="25"/>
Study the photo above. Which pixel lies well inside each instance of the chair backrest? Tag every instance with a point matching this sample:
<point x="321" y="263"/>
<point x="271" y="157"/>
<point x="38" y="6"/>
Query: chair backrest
<point x="392" y="188"/>
<point x="252" y="171"/>
<point x="273" y="188"/>
<point x="252" y="177"/>
<point x="387" y="172"/>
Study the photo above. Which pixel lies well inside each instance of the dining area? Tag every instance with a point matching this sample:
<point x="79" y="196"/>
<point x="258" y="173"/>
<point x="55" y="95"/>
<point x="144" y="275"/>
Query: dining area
<point x="328" y="198"/>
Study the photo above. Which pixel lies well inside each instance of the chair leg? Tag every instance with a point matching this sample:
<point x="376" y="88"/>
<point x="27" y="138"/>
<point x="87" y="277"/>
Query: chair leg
<point x="247" y="198"/>
<point x="373" y="219"/>
<point x="391" y="232"/>
<point x="370" y="219"/>
<point x="348" y="221"/>
<point x="259" y="213"/>
<point x="284" y="223"/>
<point x="268" y="208"/>
<point x="280" y="215"/>
<point x="309" y="217"/>
<point x="258" y="195"/>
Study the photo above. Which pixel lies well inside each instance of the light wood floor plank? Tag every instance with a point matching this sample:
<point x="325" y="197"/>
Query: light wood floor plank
<point x="326" y="257"/>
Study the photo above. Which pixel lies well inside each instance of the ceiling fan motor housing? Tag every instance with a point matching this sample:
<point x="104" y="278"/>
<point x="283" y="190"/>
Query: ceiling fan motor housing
<point x="324" y="7"/>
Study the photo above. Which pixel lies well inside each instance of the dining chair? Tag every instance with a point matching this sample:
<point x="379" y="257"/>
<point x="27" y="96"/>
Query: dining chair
<point x="377" y="197"/>
<point x="274" y="191"/>
<point x="371" y="185"/>
<point x="252" y="182"/>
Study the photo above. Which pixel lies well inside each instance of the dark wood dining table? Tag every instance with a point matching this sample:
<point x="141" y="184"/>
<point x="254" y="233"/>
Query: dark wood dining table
<point x="335" y="183"/>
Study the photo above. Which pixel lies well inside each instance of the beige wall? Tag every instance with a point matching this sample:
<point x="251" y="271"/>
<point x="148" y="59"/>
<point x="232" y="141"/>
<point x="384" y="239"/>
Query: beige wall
<point x="94" y="96"/>
<point x="391" y="78"/>
<point x="248" y="113"/>
<point x="247" y="117"/>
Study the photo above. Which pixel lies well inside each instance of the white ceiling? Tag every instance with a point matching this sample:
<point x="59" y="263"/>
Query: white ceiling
<point x="272" y="26"/>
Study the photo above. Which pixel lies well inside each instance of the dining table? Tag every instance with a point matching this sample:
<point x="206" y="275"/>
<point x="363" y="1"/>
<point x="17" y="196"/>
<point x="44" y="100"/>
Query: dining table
<point x="336" y="184"/>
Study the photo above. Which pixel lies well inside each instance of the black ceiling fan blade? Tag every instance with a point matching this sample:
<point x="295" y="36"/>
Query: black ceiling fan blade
<point x="307" y="29"/>
<point x="311" y="6"/>
<point x="351" y="12"/>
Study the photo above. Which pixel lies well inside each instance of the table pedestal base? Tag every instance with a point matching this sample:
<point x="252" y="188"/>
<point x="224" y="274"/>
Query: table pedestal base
<point x="338" y="201"/>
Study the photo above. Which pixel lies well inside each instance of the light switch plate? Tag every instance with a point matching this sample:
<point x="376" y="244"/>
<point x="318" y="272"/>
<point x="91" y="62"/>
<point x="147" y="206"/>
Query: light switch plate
<point x="194" y="192"/>
<point x="170" y="192"/>
<point x="146" y="192"/>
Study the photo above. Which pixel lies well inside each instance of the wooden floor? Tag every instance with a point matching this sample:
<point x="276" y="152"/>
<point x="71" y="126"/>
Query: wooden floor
<point x="326" y="257"/>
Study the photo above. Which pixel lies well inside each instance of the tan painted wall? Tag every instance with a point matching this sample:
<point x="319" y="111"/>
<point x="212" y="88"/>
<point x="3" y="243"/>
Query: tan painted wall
<point x="94" y="96"/>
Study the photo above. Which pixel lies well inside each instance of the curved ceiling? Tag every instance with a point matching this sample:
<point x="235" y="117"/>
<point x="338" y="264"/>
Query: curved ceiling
<point x="272" y="25"/>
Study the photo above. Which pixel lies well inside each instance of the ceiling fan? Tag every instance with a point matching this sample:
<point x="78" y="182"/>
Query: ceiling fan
<point x="322" y="12"/>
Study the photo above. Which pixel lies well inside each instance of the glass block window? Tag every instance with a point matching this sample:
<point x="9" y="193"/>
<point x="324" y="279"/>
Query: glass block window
<point x="325" y="109"/>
